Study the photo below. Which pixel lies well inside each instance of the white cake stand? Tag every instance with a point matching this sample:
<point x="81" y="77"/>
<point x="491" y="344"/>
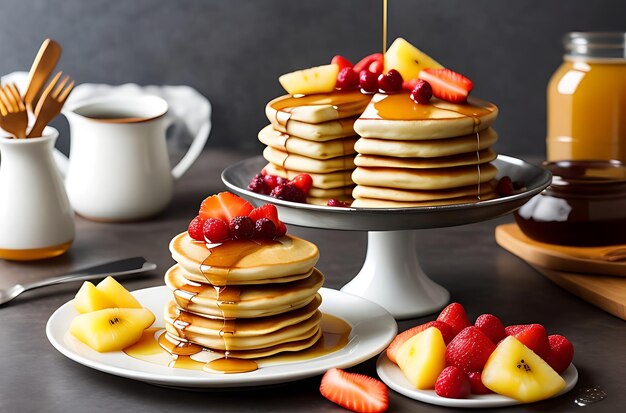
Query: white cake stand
<point x="391" y="274"/>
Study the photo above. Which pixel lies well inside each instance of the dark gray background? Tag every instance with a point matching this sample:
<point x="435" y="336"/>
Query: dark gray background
<point x="233" y="51"/>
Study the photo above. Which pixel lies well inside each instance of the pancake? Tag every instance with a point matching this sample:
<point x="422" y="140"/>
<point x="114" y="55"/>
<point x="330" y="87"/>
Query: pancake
<point x="198" y="277"/>
<point x="315" y="192"/>
<point x="308" y="165"/>
<point x="326" y="181"/>
<point x="321" y="132"/>
<point x="471" y="158"/>
<point x="381" y="203"/>
<point x="242" y="261"/>
<point x="425" y="179"/>
<point x="427" y="148"/>
<point x="405" y="195"/>
<point x="311" y="149"/>
<point x="249" y="301"/>
<point x="317" y="108"/>
<point x="397" y="117"/>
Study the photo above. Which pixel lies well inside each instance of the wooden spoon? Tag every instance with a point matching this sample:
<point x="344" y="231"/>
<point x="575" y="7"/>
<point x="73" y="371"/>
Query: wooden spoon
<point x="45" y="61"/>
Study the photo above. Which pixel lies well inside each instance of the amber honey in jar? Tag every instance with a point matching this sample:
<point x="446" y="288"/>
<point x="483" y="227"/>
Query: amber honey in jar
<point x="587" y="99"/>
<point x="584" y="206"/>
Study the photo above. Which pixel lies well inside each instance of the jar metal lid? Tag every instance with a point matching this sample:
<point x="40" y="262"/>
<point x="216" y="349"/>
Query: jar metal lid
<point x="595" y="44"/>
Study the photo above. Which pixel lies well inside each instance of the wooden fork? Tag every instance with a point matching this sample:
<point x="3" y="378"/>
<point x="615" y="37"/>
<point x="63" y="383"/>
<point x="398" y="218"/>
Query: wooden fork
<point x="50" y="103"/>
<point x="13" y="114"/>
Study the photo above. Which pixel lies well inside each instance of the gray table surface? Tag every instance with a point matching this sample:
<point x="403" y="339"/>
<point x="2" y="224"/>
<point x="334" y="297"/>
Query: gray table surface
<point x="34" y="377"/>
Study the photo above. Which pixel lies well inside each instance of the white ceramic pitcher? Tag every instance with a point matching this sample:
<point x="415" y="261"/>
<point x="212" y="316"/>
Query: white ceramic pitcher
<point x="118" y="168"/>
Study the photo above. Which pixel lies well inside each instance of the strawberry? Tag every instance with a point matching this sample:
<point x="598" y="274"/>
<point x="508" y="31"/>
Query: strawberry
<point x="505" y="186"/>
<point x="376" y="67"/>
<point x="452" y="383"/>
<point x="469" y="350"/>
<point x="446" y="332"/>
<point x="303" y="181"/>
<point x="341" y="61"/>
<point x="367" y="61"/>
<point x="355" y="392"/>
<point x="447" y="84"/>
<point x="515" y="328"/>
<point x="347" y="79"/>
<point x="561" y="353"/>
<point x="410" y="84"/>
<point x="270" y="212"/>
<point x="224" y="206"/>
<point x="491" y="326"/>
<point x="476" y="383"/>
<point x="455" y="316"/>
<point x="533" y="336"/>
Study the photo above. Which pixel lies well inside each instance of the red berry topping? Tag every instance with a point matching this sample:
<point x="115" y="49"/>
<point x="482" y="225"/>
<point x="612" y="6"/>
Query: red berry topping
<point x="446" y="332"/>
<point x="469" y="350"/>
<point x="452" y="383"/>
<point x="455" y="316"/>
<point x="409" y="85"/>
<point x="303" y="181"/>
<point x="366" y="62"/>
<point x="422" y="92"/>
<point x="355" y="392"/>
<point x="347" y="79"/>
<point x="289" y="192"/>
<point x="476" y="383"/>
<point x="390" y="82"/>
<point x="533" y="336"/>
<point x="376" y="67"/>
<point x="241" y="227"/>
<point x="215" y="230"/>
<point x="337" y="203"/>
<point x="368" y="81"/>
<point x="258" y="185"/>
<point x="270" y="212"/>
<point x="273" y="181"/>
<point x="505" y="186"/>
<point x="341" y="61"/>
<point x="195" y="229"/>
<point x="447" y="84"/>
<point x="264" y="228"/>
<point x="491" y="326"/>
<point x="224" y="206"/>
<point x="561" y="353"/>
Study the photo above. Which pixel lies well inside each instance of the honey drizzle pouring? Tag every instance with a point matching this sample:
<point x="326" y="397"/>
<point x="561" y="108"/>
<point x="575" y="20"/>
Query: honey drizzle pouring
<point x="384" y="26"/>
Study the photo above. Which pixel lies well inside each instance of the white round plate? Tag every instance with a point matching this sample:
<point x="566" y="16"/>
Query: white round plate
<point x="393" y="377"/>
<point x="373" y="328"/>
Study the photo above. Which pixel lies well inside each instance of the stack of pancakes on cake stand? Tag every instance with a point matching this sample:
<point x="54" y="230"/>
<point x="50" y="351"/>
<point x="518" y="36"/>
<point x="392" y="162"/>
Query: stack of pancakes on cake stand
<point x="314" y="134"/>
<point x="412" y="154"/>
<point x="243" y="299"/>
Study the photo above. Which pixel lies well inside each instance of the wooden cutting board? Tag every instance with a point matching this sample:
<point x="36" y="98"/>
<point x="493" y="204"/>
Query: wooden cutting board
<point x="606" y="291"/>
<point x="609" y="260"/>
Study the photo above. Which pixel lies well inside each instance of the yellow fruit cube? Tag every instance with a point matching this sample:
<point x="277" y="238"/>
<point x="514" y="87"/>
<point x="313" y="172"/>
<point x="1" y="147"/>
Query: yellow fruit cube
<point x="117" y="293"/>
<point x="515" y="371"/>
<point x="407" y="59"/>
<point x="320" y="79"/>
<point x="89" y="298"/>
<point x="422" y="357"/>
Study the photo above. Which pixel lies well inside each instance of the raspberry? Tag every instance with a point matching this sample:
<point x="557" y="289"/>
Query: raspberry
<point x="422" y="92"/>
<point x="390" y="82"/>
<point x="264" y="228"/>
<point x="242" y="227"/>
<point x="337" y="203"/>
<point x="215" y="230"/>
<point x="505" y="186"/>
<point x="347" y="79"/>
<point x="289" y="192"/>
<point x="195" y="229"/>
<point x="303" y="181"/>
<point x="368" y="81"/>
<point x="273" y="181"/>
<point x="258" y="185"/>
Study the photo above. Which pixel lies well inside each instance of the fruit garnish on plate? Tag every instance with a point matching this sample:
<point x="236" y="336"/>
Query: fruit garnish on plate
<point x="320" y="79"/>
<point x="226" y="216"/>
<point x="408" y="59"/>
<point x="355" y="392"/>
<point x="294" y="190"/>
<point x="518" y="361"/>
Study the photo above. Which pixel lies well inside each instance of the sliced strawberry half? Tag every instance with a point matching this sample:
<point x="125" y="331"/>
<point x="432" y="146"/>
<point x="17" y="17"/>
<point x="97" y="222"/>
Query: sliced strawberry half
<point x="367" y="61"/>
<point x="447" y="84"/>
<point x="270" y="212"/>
<point x="446" y="332"/>
<point x="355" y="392"/>
<point x="341" y="62"/>
<point x="224" y="206"/>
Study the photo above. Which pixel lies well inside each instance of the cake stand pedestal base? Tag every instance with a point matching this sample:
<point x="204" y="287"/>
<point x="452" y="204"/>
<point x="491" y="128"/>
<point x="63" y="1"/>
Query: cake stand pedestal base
<point x="392" y="277"/>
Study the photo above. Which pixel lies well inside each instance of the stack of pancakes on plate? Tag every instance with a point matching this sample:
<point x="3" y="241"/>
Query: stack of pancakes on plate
<point x="413" y="154"/>
<point x="314" y="134"/>
<point x="244" y="298"/>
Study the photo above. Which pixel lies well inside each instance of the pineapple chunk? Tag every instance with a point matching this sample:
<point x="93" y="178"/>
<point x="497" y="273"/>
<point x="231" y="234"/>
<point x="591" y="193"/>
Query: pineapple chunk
<point x="320" y="79"/>
<point x="515" y="371"/>
<point x="117" y="293"/>
<point x="111" y="329"/>
<point x="422" y="357"/>
<point x="89" y="298"/>
<point x="407" y="59"/>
